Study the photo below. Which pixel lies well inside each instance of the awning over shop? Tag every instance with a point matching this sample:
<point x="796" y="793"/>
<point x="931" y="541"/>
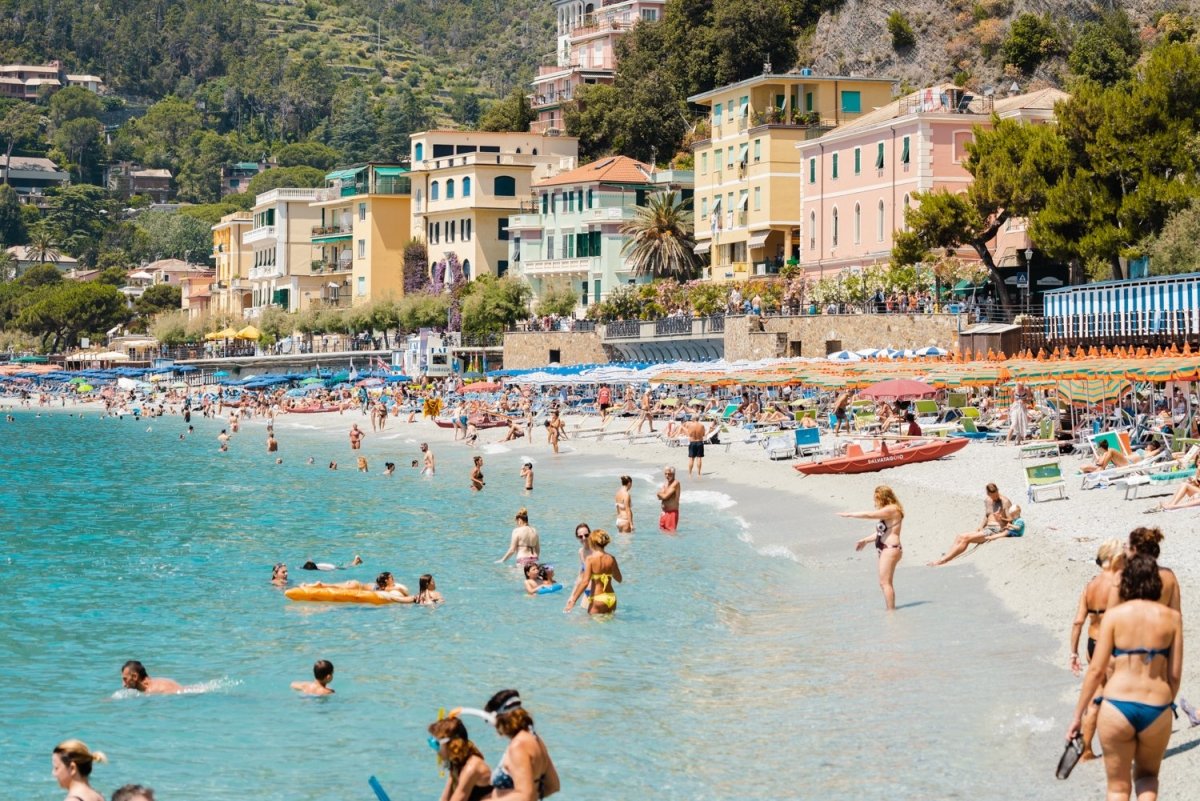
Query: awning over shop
<point x="703" y="247"/>
<point x="344" y="175"/>
<point x="758" y="239"/>
<point x="391" y="172"/>
<point x="965" y="287"/>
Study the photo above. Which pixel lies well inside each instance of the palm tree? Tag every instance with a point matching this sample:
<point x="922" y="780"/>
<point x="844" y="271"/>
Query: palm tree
<point x="42" y="247"/>
<point x="660" y="241"/>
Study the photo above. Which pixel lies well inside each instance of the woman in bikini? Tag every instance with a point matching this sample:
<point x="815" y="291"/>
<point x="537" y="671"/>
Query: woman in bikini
<point x="1092" y="602"/>
<point x="890" y="515"/>
<point x="524" y="542"/>
<point x="470" y="777"/>
<point x="1145" y="541"/>
<point x="624" y="506"/>
<point x="600" y="570"/>
<point x="525" y="772"/>
<point x="427" y="591"/>
<point x="1143" y="641"/>
<point x="71" y="763"/>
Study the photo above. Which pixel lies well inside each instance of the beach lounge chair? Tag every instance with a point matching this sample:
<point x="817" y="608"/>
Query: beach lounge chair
<point x="957" y="400"/>
<point x="807" y="442"/>
<point x="1044" y="478"/>
<point x="970" y="411"/>
<point x="971" y="431"/>
<point x="781" y="447"/>
<point x="1102" y="478"/>
<point x="730" y="411"/>
<point x="1144" y="485"/>
<point x="927" y="412"/>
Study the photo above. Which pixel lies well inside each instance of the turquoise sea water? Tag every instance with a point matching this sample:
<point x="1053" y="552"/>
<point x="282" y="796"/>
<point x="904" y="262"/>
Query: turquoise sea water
<point x="730" y="670"/>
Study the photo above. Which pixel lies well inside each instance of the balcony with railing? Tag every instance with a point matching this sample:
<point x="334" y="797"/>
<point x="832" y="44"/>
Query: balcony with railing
<point x="549" y="98"/>
<point x="323" y="266"/>
<point x="333" y="302"/>
<point x="329" y="233"/>
<point x="285" y="193"/>
<point x="264" y="233"/>
<point x="266" y="271"/>
<point x="548" y="128"/>
<point x="556" y="266"/>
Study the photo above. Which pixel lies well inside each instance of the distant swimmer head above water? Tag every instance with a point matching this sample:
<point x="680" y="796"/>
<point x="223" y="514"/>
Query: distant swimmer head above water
<point x="279" y="574"/>
<point x="134" y="677"/>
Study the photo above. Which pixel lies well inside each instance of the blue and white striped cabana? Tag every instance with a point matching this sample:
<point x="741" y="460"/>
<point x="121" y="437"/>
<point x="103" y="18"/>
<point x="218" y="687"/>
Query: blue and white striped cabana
<point x="1168" y="306"/>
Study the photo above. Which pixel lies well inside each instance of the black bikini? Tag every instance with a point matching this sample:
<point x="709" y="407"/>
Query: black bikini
<point x="882" y="529"/>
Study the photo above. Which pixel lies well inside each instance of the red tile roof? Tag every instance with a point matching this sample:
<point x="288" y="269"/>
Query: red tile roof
<point x="615" y="169"/>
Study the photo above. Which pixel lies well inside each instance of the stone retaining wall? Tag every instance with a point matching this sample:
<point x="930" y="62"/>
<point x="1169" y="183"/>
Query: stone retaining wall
<point x="526" y="349"/>
<point x="750" y="337"/>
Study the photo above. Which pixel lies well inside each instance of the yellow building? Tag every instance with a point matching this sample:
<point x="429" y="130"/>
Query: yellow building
<point x="358" y="245"/>
<point x="280" y="241"/>
<point x="231" y="286"/>
<point x="467" y="184"/>
<point x="748" y="171"/>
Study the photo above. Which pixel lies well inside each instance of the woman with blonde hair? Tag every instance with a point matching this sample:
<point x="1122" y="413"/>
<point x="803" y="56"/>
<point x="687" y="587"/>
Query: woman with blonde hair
<point x="470" y="777"/>
<point x="890" y="515"/>
<point x="524" y="543"/>
<point x="72" y="762"/>
<point x="1093" y="601"/>
<point x="600" y="569"/>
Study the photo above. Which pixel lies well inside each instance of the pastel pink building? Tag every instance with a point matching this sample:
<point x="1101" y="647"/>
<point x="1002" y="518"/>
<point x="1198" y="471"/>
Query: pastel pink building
<point x="588" y="31"/>
<point x="858" y="179"/>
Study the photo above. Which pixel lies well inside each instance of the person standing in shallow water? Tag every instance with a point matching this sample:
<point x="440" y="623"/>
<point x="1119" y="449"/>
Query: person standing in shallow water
<point x="477" y="481"/>
<point x="71" y="763"/>
<point x="890" y="516"/>
<point x="668" y="496"/>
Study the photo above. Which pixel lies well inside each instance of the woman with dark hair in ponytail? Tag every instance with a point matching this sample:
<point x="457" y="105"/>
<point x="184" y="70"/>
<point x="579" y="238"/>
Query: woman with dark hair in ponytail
<point x="525" y="772"/>
<point x="1145" y="541"/>
<point x="1142" y="639"/>
<point x="470" y="777"/>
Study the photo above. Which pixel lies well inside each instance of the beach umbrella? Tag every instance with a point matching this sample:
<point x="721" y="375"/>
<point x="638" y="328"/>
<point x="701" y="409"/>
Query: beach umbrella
<point x="84" y="387"/>
<point x="249" y="332"/>
<point x="370" y="382"/>
<point x="225" y="333"/>
<point x="932" y="350"/>
<point x="898" y="389"/>
<point x="844" y="356"/>
<point x="871" y="353"/>
<point x="221" y="374"/>
<point x="310" y="381"/>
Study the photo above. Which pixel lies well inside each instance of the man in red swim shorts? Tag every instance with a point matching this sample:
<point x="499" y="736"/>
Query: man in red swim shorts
<point x="668" y="494"/>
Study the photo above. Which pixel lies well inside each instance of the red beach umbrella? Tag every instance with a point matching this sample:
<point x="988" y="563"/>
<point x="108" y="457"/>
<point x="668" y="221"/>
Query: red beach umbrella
<point x="482" y="386"/>
<point x="898" y="389"/>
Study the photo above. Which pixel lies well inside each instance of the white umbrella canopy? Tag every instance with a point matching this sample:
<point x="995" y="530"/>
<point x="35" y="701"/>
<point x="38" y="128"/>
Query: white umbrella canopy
<point x="844" y="356"/>
<point x="112" y="356"/>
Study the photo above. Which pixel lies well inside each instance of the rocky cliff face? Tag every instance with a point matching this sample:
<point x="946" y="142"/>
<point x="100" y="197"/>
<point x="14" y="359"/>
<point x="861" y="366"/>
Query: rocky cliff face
<point x="962" y="39"/>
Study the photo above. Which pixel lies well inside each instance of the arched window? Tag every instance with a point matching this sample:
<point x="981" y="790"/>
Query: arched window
<point x="812" y="230"/>
<point x="834" y="227"/>
<point x="879" y="222"/>
<point x="857" y="223"/>
<point x="466" y="187"/>
<point x="419" y="152"/>
<point x="518" y="150"/>
<point x="504" y="186"/>
<point x="433" y="191"/>
<point x="449" y="188"/>
<point x="466" y="267"/>
<point x="535" y="151"/>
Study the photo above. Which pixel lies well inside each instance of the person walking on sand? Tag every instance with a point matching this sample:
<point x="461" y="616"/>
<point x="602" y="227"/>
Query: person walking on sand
<point x="624" y="506"/>
<point x="839" y="412"/>
<point x="555" y="429"/>
<point x="646" y="409"/>
<point x="322" y="675"/>
<point x="356" y="437"/>
<point x="668" y="495"/>
<point x="696" y="434"/>
<point x="890" y="515"/>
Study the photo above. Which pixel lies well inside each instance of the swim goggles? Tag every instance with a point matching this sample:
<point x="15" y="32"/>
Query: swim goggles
<point x="436" y="743"/>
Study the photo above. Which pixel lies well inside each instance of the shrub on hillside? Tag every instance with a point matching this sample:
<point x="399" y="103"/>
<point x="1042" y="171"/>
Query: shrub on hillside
<point x="1031" y="39"/>
<point x="902" y="33"/>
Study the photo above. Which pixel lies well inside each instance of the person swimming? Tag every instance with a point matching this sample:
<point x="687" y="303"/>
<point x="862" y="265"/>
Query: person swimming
<point x="322" y="675"/>
<point x="134" y="677"/>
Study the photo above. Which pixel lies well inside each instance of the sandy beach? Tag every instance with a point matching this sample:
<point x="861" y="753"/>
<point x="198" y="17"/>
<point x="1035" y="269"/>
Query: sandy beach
<point x="1037" y="577"/>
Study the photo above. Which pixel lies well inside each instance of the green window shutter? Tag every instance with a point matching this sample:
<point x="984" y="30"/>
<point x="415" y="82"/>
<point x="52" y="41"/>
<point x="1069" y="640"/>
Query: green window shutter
<point x="757" y="149"/>
<point x="779" y="100"/>
<point x="851" y="102"/>
<point x="904" y="153"/>
<point x="879" y="157"/>
<point x="808" y="101"/>
<point x="835" y="164"/>
<point x="812" y="171"/>
<point x="596" y="252"/>
<point x="857" y="160"/>
<point x="545" y="202"/>
<point x="717" y="113"/>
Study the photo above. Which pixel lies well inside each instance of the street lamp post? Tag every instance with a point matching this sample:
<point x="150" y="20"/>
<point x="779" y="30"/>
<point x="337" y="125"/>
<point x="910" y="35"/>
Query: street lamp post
<point x="1028" y="277"/>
